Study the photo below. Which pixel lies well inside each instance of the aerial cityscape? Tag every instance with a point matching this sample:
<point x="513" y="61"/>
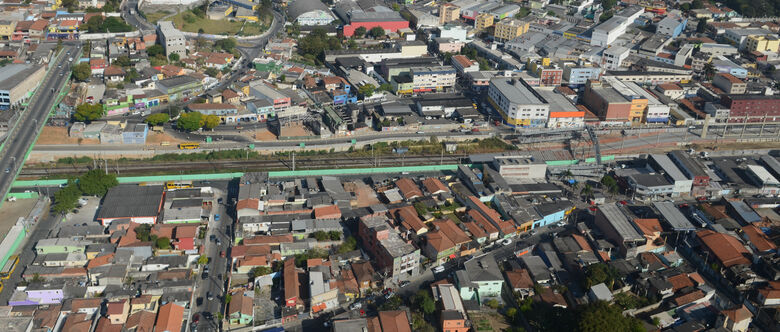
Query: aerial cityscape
<point x="390" y="165"/>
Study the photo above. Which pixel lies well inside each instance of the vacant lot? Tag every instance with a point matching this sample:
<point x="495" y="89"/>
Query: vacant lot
<point x="187" y="21"/>
<point x="153" y="17"/>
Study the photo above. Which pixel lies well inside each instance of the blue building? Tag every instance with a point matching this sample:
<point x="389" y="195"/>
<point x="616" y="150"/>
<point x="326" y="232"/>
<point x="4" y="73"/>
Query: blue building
<point x="135" y="133"/>
<point x="581" y="75"/>
<point x="342" y="96"/>
<point x="725" y="66"/>
<point x="552" y="212"/>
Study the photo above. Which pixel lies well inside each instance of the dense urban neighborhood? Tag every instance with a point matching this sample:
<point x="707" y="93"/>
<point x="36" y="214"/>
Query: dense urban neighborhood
<point x="390" y="166"/>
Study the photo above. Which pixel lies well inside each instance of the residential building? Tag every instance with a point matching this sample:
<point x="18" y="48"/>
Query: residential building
<point x="394" y="257"/>
<point x="483" y="21"/>
<point x="292" y="296"/>
<point x="725" y="249"/>
<point x="464" y="65"/>
<point x="480" y="279"/>
<point x="241" y="308"/>
<point x="518" y="103"/>
<point x="395" y="321"/>
<point x="765" y="43"/>
<point x="169" y="318"/>
<point x="739" y="36"/>
<point x="172" y="39"/>
<point x="671" y="25"/>
<point x="510" y="28"/>
<point x="729" y="84"/>
<point x="579" y="75"/>
<point x="548" y="73"/>
<point x="448" y="12"/>
<point x="752" y="105"/>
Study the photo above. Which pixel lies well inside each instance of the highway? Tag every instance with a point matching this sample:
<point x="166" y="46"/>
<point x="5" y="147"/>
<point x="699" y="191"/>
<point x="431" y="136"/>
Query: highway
<point x="33" y="118"/>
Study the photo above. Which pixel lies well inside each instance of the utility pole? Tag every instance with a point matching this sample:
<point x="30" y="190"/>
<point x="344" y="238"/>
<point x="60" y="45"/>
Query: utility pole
<point x="293" y="160"/>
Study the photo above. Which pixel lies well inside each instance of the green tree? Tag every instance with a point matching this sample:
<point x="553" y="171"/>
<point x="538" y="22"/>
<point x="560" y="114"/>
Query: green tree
<point x="143" y="232"/>
<point x="523" y="12"/>
<point x="493" y="303"/>
<point x="260" y="271"/>
<point x="709" y="70"/>
<point x="81" y="71"/>
<point x="163" y="243"/>
<point x="95" y="23"/>
<point x="377" y="32"/>
<point x="551" y="13"/>
<point x="601" y="273"/>
<point x="350" y="243"/>
<point x="157" y="119"/>
<point x="701" y="26"/>
<point x="312" y="46"/>
<point x="608" y="4"/>
<point x="511" y="313"/>
<point x="213" y="72"/>
<point x="610" y="183"/>
<point x="190" y="121"/>
<point x="334" y="235"/>
<point x="603" y="317"/>
<point x="227" y="44"/>
<point x="66" y="198"/>
<point x="366" y="90"/>
<point x="423" y="301"/>
<point x="88" y="112"/>
<point x="320" y="236"/>
<point x="393" y="303"/>
<point x="385" y="87"/>
<point x="211" y="121"/>
<point x="606" y="15"/>
<point x="155" y="50"/>
<point x="697" y="4"/>
<point x="203" y="260"/>
<point x="174" y="57"/>
<point x="96" y="182"/>
<point x="360" y="32"/>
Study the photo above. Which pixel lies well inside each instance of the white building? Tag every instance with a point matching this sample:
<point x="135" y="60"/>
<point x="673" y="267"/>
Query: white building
<point x="607" y="32"/>
<point x="563" y="114"/>
<point x="614" y="56"/>
<point x="435" y="78"/>
<point x="518" y="103"/>
<point x="309" y="12"/>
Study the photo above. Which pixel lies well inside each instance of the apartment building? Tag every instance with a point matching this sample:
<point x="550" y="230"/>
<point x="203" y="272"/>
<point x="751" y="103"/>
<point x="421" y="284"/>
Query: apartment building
<point x="518" y="103"/>
<point x="171" y="39"/>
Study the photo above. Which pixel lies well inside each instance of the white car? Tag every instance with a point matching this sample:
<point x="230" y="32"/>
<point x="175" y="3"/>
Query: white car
<point x="505" y="242"/>
<point x="438" y="269"/>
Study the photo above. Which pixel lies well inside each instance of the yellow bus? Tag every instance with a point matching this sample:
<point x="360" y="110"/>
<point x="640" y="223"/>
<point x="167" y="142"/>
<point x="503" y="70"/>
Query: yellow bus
<point x="189" y="146"/>
<point x="9" y="267"/>
<point x="178" y="185"/>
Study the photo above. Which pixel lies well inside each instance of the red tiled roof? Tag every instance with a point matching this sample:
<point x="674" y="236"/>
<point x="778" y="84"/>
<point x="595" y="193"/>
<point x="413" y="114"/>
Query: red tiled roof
<point x="250" y="203"/>
<point x="39" y="25"/>
<point x="688" y="298"/>
<point x="394" y="321"/>
<point x="680" y="281"/>
<point x="169" y="318"/>
<point x="268" y="239"/>
<point x="113" y="71"/>
<point x="649" y="226"/>
<point x="327" y="212"/>
<point x="439" y="241"/>
<point x="100" y="261"/>
<point x="726" y="248"/>
<point x="731" y="78"/>
<point x="408" y="188"/>
<point x="434" y="185"/>
<point x="408" y="217"/>
<point x="519" y="279"/>
<point x="738" y="314"/>
<point x="462" y="60"/>
<point x="452" y="231"/>
<point x="758" y="238"/>
<point x="475" y="230"/>
<point x="669" y="86"/>
<point x="229" y="94"/>
<point x="291" y="283"/>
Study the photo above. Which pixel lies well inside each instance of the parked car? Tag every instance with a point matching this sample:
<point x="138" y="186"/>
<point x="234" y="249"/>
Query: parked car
<point x="210" y="296"/>
<point x="355" y="306"/>
<point x="216" y="217"/>
<point x="404" y="283"/>
<point x="506" y="242"/>
<point x="438" y="269"/>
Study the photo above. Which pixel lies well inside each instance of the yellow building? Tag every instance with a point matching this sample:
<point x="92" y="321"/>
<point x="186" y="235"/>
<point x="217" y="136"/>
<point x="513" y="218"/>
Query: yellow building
<point x="509" y="28"/>
<point x="448" y="13"/>
<point x="637" y="112"/>
<point x="7" y="29"/>
<point x="483" y="21"/>
<point x="763" y="43"/>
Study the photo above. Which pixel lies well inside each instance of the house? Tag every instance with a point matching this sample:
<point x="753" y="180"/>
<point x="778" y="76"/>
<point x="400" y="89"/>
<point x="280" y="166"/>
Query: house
<point x="292" y="298"/>
<point x="395" y="321"/>
<point x="735" y="320"/>
<point x="408" y="188"/>
<point x="117" y="312"/>
<point x="169" y="318"/>
<point x="770" y="295"/>
<point x="364" y="274"/>
<point x="113" y="74"/>
<point x="241" y="308"/>
<point x="725" y="249"/>
<point x="520" y="282"/>
<point x="480" y="279"/>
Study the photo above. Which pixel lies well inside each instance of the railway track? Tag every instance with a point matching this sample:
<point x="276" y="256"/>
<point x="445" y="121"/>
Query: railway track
<point x="286" y="163"/>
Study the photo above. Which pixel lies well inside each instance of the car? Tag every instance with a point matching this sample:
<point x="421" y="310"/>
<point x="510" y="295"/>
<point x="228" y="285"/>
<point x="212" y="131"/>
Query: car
<point x="216" y="217"/>
<point x="404" y="283"/>
<point x="210" y="296"/>
<point x="438" y="269"/>
<point x="206" y="268"/>
<point x="561" y="224"/>
<point x="8" y="170"/>
<point x="199" y="300"/>
<point x="212" y="237"/>
<point x="208" y="315"/>
<point x="219" y="200"/>
<point x="204" y="275"/>
<point x="219" y="243"/>
<point x="222" y="253"/>
<point x="219" y="276"/>
<point x="195" y="318"/>
<point x="506" y="242"/>
<point x="355" y="306"/>
<point x="623" y="203"/>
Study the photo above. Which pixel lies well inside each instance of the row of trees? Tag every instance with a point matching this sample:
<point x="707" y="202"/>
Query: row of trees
<point x="376" y="32"/>
<point x="192" y="121"/>
<point x="92" y="183"/>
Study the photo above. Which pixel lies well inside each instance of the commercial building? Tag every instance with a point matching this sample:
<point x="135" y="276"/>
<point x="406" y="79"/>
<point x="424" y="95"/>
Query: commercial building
<point x="671" y="25"/>
<point x="691" y="168"/>
<point x="739" y="36"/>
<point x="548" y="73"/>
<point x="617" y="228"/>
<point x="608" y="104"/>
<point x="464" y="65"/>
<point x="432" y="79"/>
<point x="18" y="82"/>
<point x="752" y="105"/>
<point x="138" y="204"/>
<point x="662" y="163"/>
<point x="260" y="90"/>
<point x="309" y="12"/>
<point x="171" y="39"/>
<point x="577" y="75"/>
<point x="613" y="57"/>
<point x="377" y="16"/>
<point x="518" y="103"/>
<point x="606" y="33"/>
<point x="178" y="87"/>
<point x="563" y="114"/>
<point x="729" y="84"/>
<point x="483" y="21"/>
<point x="510" y="28"/>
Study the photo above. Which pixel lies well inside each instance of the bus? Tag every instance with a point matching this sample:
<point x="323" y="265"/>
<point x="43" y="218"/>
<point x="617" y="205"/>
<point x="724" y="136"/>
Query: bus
<point x="189" y="146"/>
<point x="171" y="185"/>
<point x="9" y="267"/>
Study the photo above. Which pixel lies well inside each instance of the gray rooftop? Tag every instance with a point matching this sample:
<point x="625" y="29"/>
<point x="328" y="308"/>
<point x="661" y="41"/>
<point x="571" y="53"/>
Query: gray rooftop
<point x="131" y="201"/>
<point x="620" y="222"/>
<point x="673" y="216"/>
<point x="13" y="74"/>
<point x="517" y="91"/>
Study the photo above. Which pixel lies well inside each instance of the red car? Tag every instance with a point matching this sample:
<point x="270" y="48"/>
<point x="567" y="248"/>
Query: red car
<point x="592" y="208"/>
<point x="195" y="318"/>
<point x="623" y="202"/>
<point x="222" y="253"/>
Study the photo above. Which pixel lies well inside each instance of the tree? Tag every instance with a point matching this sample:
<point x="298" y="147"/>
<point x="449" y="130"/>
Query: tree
<point x="157" y="119"/>
<point x="701" y="26"/>
<point x="66" y="198"/>
<point x="350" y="243"/>
<point x="360" y="32"/>
<point x="320" y="236"/>
<point x="155" y="50"/>
<point x="366" y="90"/>
<point x="190" y="121"/>
<point x="551" y="13"/>
<point x="163" y="243"/>
<point x="493" y="303"/>
<point x="523" y="12"/>
<point x="213" y="72"/>
<point x="96" y="182"/>
<point x="608" y="4"/>
<point x="260" y="271"/>
<point x="174" y="57"/>
<point x="88" y="112"/>
<point x="81" y="71"/>
<point x="606" y="15"/>
<point x="709" y="70"/>
<point x="143" y="232"/>
<point x="203" y="260"/>
<point x="422" y="301"/>
<point x="601" y="273"/>
<point x="227" y="44"/>
<point x="95" y="23"/>
<point x="334" y="235"/>
<point x="603" y="317"/>
<point x="211" y="121"/>
<point x="511" y="313"/>
<point x="377" y="32"/>
<point x="385" y="87"/>
<point x="393" y="303"/>
<point x="610" y="183"/>
<point x="697" y="4"/>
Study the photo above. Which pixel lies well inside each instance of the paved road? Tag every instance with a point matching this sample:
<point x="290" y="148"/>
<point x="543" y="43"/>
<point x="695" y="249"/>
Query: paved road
<point x="27" y="255"/>
<point x="214" y="284"/>
<point x="18" y="141"/>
